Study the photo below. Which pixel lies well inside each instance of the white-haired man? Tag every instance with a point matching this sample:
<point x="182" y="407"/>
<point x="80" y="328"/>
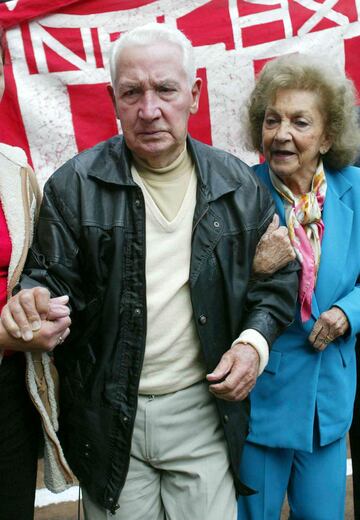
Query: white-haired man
<point x="152" y="236"/>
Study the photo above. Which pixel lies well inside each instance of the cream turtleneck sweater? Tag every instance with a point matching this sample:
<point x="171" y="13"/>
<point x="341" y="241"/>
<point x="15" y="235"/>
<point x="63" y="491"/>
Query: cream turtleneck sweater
<point x="173" y="358"/>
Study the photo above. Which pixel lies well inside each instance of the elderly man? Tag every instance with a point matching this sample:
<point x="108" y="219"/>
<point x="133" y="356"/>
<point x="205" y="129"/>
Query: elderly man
<point x="152" y="235"/>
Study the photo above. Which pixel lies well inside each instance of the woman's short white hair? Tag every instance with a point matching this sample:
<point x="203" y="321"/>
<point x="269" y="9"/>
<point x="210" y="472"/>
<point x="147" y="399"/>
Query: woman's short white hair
<point x="147" y="35"/>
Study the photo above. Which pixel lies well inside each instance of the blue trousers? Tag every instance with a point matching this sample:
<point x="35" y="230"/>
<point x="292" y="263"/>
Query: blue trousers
<point x="315" y="482"/>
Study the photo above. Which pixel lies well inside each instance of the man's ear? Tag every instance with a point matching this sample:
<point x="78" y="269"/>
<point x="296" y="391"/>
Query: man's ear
<point x="112" y="96"/>
<point x="195" y="93"/>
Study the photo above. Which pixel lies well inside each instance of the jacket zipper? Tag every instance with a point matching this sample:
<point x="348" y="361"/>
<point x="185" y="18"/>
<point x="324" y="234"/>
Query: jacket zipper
<point x="114" y="508"/>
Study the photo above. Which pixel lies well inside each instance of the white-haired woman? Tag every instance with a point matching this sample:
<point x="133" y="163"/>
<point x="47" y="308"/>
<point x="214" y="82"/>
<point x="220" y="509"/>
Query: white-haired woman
<point x="304" y="120"/>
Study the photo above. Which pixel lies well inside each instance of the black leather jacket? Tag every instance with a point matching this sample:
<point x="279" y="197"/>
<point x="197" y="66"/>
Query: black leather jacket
<point x="90" y="244"/>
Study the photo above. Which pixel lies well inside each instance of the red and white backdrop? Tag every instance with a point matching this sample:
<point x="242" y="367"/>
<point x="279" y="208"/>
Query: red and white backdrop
<point x="56" y="102"/>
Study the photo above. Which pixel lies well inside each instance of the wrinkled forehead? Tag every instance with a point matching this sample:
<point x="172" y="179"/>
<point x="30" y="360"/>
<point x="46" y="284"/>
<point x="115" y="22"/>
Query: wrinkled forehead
<point x="157" y="61"/>
<point x="303" y="98"/>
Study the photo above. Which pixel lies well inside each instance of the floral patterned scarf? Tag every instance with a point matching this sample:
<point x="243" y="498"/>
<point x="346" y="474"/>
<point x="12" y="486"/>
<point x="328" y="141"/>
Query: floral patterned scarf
<point x="306" y="229"/>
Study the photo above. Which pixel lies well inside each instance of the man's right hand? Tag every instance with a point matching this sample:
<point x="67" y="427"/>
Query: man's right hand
<point x="274" y="249"/>
<point x="24" y="312"/>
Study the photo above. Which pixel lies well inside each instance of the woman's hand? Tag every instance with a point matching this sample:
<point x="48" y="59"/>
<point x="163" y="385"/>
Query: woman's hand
<point x="49" y="335"/>
<point x="329" y="326"/>
<point x="274" y="249"/>
<point x="24" y="312"/>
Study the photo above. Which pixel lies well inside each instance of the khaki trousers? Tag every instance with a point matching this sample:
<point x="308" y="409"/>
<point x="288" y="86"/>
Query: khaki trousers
<point x="179" y="465"/>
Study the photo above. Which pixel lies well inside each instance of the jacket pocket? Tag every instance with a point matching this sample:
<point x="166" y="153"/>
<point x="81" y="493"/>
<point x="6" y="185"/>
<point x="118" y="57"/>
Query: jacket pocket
<point x="274" y="362"/>
<point x="346" y="350"/>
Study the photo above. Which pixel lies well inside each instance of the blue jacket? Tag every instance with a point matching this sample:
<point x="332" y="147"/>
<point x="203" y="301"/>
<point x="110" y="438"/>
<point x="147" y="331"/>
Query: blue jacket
<point x="298" y="381"/>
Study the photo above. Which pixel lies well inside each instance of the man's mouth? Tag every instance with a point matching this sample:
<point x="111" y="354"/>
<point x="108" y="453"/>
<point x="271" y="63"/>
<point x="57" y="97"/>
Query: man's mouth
<point x="151" y="132"/>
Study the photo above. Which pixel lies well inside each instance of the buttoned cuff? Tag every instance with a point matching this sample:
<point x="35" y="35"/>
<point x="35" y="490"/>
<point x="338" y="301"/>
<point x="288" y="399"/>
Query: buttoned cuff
<point x="256" y="340"/>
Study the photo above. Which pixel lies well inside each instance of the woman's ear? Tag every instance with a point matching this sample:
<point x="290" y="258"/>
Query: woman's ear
<point x="326" y="145"/>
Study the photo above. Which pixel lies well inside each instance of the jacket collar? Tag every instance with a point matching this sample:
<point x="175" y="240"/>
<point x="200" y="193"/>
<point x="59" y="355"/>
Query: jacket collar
<point x="338" y="221"/>
<point x="216" y="175"/>
<point x="112" y="166"/>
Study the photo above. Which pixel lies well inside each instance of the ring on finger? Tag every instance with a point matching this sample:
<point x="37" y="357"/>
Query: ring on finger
<point x="60" y="340"/>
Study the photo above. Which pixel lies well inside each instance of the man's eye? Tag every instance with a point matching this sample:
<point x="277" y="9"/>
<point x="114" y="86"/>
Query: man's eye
<point x="166" y="90"/>
<point x="129" y="93"/>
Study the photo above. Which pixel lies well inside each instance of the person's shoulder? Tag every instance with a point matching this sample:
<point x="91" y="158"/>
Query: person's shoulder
<point x="351" y="173"/>
<point x="345" y="182"/>
<point x="102" y="151"/>
<point x="226" y="164"/>
<point x="13" y="154"/>
<point x="79" y="166"/>
<point x="344" y="178"/>
<point x="209" y="151"/>
<point x="261" y="170"/>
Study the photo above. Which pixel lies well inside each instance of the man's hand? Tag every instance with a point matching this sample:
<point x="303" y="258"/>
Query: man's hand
<point x="23" y="313"/>
<point x="58" y="308"/>
<point x="274" y="249"/>
<point x="237" y="371"/>
<point x="329" y="326"/>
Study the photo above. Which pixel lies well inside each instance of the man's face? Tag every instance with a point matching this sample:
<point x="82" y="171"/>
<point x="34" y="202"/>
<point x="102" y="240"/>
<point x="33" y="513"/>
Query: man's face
<point x="153" y="100"/>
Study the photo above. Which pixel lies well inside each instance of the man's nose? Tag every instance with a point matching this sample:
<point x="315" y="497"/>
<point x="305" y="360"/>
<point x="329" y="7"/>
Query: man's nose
<point x="149" y="108"/>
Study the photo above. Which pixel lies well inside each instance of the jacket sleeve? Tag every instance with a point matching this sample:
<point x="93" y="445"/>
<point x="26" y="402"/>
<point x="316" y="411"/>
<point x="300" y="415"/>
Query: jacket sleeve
<point x="350" y="304"/>
<point x="53" y="259"/>
<point x="271" y="300"/>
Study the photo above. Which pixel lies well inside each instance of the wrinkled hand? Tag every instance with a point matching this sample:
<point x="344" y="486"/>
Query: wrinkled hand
<point x="237" y="371"/>
<point x="274" y="249"/>
<point x="23" y="313"/>
<point x="329" y="326"/>
<point x="50" y="334"/>
<point x="58" y="308"/>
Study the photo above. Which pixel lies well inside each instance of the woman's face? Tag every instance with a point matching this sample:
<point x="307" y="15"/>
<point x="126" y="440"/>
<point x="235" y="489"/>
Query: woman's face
<point x="2" y="79"/>
<point x="293" y="135"/>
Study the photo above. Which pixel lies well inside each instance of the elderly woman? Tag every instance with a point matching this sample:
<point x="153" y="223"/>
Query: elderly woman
<point x="21" y="375"/>
<point x="303" y="119"/>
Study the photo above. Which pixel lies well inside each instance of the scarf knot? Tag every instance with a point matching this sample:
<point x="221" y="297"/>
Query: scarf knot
<point x="306" y="230"/>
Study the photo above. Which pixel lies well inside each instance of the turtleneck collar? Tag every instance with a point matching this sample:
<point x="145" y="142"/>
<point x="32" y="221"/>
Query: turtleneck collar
<point x="177" y="168"/>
